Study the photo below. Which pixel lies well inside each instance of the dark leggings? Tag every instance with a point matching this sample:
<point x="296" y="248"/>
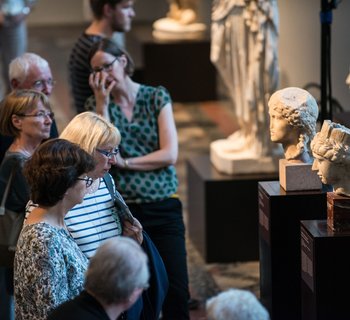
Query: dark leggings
<point x="163" y="222"/>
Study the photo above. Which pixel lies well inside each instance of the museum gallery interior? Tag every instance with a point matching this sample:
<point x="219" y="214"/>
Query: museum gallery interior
<point x="261" y="102"/>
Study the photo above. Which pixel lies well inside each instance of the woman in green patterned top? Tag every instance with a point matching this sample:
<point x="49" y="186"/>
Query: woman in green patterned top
<point x="145" y="175"/>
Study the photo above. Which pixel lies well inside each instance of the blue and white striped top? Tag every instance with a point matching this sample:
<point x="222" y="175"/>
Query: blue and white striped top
<point x="94" y="220"/>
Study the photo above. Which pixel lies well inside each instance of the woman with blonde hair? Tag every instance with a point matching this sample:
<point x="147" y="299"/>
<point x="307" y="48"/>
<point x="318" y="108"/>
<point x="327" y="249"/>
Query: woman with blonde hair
<point x="98" y="218"/>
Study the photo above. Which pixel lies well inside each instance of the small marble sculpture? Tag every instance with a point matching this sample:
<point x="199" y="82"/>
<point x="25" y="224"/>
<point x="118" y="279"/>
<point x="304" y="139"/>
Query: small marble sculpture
<point x="180" y="23"/>
<point x="293" y="117"/>
<point x="331" y="150"/>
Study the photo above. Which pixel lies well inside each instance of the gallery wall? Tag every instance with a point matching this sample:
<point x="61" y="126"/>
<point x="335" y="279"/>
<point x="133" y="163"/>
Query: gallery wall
<point x="299" y="43"/>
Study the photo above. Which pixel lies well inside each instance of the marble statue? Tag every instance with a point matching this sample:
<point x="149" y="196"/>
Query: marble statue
<point x="181" y="21"/>
<point x="293" y="117"/>
<point x="331" y="150"/>
<point x="244" y="50"/>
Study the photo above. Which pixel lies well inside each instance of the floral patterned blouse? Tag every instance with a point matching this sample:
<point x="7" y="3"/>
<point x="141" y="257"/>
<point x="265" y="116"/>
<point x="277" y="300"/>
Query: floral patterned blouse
<point x="49" y="269"/>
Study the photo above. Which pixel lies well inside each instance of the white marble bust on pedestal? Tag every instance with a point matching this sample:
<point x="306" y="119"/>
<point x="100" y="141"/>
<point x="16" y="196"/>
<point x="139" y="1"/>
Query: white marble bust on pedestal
<point x="293" y="117"/>
<point x="331" y="150"/>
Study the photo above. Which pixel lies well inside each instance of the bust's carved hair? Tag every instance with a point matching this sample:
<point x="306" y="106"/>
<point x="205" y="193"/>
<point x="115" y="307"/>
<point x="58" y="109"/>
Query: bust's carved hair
<point x="300" y="109"/>
<point x="332" y="142"/>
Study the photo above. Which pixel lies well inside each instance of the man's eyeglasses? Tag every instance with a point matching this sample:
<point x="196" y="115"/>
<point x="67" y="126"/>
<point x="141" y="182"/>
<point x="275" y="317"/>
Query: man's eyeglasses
<point x="106" y="67"/>
<point x="87" y="180"/>
<point x="39" y="114"/>
<point x="108" y="154"/>
<point x="40" y="84"/>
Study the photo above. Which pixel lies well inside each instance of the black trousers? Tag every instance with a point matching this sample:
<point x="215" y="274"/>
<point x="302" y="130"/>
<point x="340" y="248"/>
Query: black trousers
<point x="164" y="224"/>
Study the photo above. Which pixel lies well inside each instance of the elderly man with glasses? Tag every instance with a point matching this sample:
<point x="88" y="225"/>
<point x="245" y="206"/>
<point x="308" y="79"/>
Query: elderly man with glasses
<point x="29" y="71"/>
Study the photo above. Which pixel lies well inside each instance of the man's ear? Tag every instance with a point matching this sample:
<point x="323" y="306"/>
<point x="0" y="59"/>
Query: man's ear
<point x="14" y="83"/>
<point x="107" y="10"/>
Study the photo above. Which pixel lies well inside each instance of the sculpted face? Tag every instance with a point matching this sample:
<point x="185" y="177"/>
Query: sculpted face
<point x="280" y="130"/>
<point x="328" y="172"/>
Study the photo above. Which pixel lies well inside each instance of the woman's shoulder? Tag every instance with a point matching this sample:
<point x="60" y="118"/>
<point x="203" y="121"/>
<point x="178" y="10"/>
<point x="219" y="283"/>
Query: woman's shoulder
<point x="42" y="234"/>
<point x="13" y="159"/>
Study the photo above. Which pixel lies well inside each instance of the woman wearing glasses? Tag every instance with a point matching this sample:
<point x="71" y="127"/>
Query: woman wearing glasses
<point x="26" y="116"/>
<point x="146" y="175"/>
<point x="96" y="219"/>
<point x="49" y="266"/>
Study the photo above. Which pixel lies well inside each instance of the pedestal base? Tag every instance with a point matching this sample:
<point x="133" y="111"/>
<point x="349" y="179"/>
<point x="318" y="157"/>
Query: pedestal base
<point x="280" y="213"/>
<point x="230" y="162"/>
<point x="325" y="272"/>
<point x="223" y="212"/>
<point x="338" y="212"/>
<point x="298" y="176"/>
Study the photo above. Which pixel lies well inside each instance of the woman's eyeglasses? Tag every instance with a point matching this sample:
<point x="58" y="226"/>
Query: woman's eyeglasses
<point x="87" y="180"/>
<point x="108" y="154"/>
<point x="39" y="114"/>
<point x="106" y="67"/>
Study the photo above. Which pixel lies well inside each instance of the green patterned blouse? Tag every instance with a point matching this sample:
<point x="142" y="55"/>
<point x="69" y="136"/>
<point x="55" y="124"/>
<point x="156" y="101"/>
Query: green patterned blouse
<point x="141" y="137"/>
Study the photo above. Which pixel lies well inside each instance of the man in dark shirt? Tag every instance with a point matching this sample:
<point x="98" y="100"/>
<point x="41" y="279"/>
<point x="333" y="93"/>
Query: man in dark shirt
<point x="109" y="16"/>
<point x="29" y="71"/>
<point x="116" y="277"/>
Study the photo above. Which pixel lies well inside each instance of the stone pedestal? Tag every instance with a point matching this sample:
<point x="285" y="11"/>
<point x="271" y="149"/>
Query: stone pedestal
<point x="222" y="212"/>
<point x="230" y="162"/>
<point x="298" y="176"/>
<point x="325" y="272"/>
<point x="338" y="212"/>
<point x="280" y="213"/>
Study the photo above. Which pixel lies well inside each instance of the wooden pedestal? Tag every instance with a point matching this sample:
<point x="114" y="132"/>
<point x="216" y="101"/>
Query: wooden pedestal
<point x="280" y="213"/>
<point x="222" y="212"/>
<point x="325" y="272"/>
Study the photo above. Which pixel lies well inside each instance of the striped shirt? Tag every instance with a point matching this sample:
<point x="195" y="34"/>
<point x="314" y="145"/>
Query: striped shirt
<point x="79" y="70"/>
<point x="94" y="220"/>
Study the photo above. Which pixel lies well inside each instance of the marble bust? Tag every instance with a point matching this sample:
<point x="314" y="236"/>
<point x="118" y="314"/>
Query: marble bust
<point x="331" y="150"/>
<point x="293" y="117"/>
<point x="180" y="22"/>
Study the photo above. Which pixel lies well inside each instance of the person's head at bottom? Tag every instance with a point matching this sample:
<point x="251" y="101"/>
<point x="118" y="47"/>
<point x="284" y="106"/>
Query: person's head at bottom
<point x="116" y="277"/>
<point x="117" y="273"/>
<point x="235" y="304"/>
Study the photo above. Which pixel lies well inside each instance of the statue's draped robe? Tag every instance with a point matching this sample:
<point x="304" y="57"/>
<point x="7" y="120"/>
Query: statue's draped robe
<point x="244" y="51"/>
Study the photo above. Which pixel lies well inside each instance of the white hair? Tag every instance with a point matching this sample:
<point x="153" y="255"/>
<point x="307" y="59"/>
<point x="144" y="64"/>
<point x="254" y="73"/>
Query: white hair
<point x="20" y="66"/>
<point x="118" y="267"/>
<point x="235" y="304"/>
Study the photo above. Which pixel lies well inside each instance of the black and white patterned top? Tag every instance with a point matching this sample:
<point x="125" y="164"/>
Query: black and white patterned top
<point x="48" y="270"/>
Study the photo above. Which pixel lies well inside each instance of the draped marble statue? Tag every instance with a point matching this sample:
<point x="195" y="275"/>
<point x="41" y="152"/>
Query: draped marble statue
<point x="180" y="22"/>
<point x="244" y="50"/>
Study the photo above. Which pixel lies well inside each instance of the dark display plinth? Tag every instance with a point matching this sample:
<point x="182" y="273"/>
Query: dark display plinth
<point x="183" y="67"/>
<point x="325" y="272"/>
<point x="223" y="212"/>
<point x="280" y="213"/>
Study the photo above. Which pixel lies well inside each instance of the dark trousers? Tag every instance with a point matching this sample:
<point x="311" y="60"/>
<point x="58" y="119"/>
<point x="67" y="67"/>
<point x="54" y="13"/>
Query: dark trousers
<point x="164" y="224"/>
